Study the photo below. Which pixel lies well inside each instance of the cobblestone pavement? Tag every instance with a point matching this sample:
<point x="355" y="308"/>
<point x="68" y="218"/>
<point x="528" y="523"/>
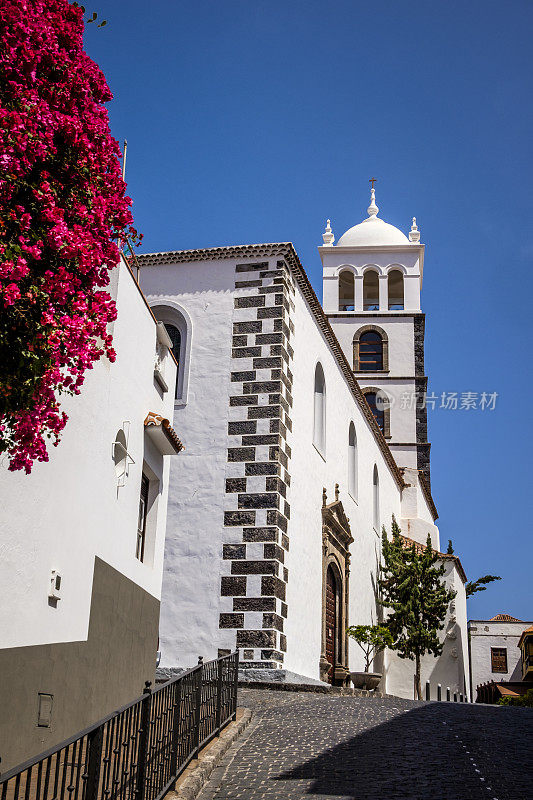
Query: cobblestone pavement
<point x="305" y="745"/>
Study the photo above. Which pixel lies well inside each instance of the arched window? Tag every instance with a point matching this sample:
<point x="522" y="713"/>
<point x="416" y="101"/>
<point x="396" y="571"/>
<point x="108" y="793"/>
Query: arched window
<point x="346" y="291"/>
<point x="352" y="461"/>
<point x="370" y="351"/>
<point x="375" y="499"/>
<point x="370" y="291"/>
<point x="178" y="326"/>
<point x="319" y="424"/>
<point x="175" y="335"/>
<point x="372" y="400"/>
<point x="380" y="407"/>
<point x="395" y="283"/>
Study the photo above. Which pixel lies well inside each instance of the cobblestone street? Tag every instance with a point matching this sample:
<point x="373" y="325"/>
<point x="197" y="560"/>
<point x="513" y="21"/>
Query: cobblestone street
<point x="305" y="745"/>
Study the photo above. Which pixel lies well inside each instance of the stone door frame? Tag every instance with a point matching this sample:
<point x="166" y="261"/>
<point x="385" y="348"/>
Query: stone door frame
<point x="336" y="540"/>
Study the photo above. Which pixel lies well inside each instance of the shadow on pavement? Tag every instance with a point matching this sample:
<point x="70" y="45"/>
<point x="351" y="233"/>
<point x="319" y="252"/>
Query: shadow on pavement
<point x="437" y="751"/>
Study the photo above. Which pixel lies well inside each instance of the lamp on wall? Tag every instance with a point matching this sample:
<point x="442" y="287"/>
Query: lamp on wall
<point x="120" y="454"/>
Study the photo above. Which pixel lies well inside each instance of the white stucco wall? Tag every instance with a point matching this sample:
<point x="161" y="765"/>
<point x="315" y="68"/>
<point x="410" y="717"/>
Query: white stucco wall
<point x="191" y="601"/>
<point x="485" y="634"/>
<point x="68" y="511"/>
<point x="310" y="473"/>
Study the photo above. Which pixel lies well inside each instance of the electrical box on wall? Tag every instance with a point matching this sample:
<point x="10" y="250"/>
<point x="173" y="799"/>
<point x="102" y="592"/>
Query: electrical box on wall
<point x="55" y="586"/>
<point x="44" y="714"/>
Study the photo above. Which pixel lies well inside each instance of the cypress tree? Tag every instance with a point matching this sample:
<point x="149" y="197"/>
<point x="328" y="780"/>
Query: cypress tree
<point x="411" y="588"/>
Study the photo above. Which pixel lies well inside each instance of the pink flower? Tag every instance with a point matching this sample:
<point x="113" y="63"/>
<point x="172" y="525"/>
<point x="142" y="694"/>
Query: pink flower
<point x="54" y="139"/>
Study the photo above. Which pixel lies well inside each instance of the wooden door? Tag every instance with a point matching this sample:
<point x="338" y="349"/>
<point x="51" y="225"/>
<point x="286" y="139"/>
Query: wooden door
<point x="331" y="622"/>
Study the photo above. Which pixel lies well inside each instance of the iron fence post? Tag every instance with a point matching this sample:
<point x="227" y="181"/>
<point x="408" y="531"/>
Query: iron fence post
<point x="144" y="733"/>
<point x="428" y="690"/>
<point x="236" y="684"/>
<point x="95" y="742"/>
<point x="175" y="730"/>
<point x="439" y="692"/>
<point x="198" y="703"/>
<point x="448" y="694"/>
<point x="455" y="697"/>
<point x="219" y="695"/>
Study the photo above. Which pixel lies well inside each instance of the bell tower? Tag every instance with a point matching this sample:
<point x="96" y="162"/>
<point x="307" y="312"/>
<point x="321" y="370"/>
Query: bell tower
<point x="372" y="280"/>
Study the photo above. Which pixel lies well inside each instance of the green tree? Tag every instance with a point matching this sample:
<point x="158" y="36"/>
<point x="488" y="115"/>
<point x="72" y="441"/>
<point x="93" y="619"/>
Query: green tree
<point x="372" y="639"/>
<point x="479" y="586"/>
<point x="411" y="588"/>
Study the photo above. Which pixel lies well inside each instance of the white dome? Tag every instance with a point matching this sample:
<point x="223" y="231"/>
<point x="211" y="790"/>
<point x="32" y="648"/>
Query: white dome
<point x="372" y="231"/>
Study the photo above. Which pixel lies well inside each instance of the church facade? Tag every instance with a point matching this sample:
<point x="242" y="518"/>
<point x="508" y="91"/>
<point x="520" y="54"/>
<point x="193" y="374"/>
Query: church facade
<point x="305" y="432"/>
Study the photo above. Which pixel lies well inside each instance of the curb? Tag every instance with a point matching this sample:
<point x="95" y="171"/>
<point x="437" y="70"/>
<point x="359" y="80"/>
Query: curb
<point x="194" y="778"/>
<point x="308" y="687"/>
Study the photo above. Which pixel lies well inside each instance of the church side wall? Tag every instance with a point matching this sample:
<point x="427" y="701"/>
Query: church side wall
<point x="311" y="472"/>
<point x="68" y="515"/>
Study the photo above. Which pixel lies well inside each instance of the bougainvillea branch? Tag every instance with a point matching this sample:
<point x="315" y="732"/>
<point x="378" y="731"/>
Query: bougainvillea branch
<point x="62" y="209"/>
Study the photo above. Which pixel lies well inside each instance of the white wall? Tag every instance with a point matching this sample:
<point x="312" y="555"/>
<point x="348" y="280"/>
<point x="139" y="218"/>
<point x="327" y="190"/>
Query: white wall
<point x="195" y="533"/>
<point x="68" y="511"/>
<point x="310" y="473"/>
<point x="485" y="634"/>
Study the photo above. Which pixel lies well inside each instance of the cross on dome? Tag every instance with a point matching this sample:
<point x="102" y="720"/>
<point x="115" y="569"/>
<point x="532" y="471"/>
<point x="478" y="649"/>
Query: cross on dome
<point x="372" y="209"/>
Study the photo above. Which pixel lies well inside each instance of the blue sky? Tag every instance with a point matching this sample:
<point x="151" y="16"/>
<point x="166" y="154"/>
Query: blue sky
<point x="253" y="122"/>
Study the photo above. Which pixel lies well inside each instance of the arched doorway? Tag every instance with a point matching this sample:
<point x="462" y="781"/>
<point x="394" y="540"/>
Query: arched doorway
<point x="332" y="615"/>
<point x="336" y="541"/>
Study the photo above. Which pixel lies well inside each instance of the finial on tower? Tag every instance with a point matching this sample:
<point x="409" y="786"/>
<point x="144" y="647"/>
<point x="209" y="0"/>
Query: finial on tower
<point x="328" y="236"/>
<point x="372" y="209"/>
<point x="414" y="233"/>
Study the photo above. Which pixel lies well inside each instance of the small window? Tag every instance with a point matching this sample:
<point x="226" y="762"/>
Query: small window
<point x="175" y="335"/>
<point x="319" y="422"/>
<point x="498" y="659"/>
<point x="346" y="291"/>
<point x="141" y="523"/>
<point x="375" y="498"/>
<point x="370" y="291"/>
<point x="352" y="461"/>
<point x="395" y="285"/>
<point x="370" y="351"/>
<point x="376" y="408"/>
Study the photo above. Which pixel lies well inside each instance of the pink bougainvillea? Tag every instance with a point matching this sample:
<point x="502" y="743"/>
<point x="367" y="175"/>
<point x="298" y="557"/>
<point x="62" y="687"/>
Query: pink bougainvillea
<point x="62" y="208"/>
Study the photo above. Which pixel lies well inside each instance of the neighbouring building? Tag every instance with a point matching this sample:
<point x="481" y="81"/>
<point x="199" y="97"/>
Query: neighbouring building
<point x="296" y="453"/>
<point x="82" y="542"/>
<point x="495" y="655"/>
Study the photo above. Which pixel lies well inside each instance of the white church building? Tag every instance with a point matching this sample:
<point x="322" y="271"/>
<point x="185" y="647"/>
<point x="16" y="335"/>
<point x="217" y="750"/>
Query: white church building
<point x="306" y="431"/>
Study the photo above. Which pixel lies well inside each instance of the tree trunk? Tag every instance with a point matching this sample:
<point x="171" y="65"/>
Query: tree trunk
<point x="417" y="677"/>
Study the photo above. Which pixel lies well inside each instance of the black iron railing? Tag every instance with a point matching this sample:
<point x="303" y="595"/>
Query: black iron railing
<point x="137" y="752"/>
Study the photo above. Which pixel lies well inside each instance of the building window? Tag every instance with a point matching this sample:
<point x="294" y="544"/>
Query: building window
<point x="395" y="286"/>
<point x="141" y="522"/>
<point x="372" y="400"/>
<point x="370" y="349"/>
<point x="352" y="461"/>
<point x="380" y="407"/>
<point x="179" y="327"/>
<point x="370" y="352"/>
<point x="346" y="291"/>
<point x="498" y="659"/>
<point x="319" y="424"/>
<point x="375" y="499"/>
<point x="175" y="335"/>
<point x="370" y="291"/>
